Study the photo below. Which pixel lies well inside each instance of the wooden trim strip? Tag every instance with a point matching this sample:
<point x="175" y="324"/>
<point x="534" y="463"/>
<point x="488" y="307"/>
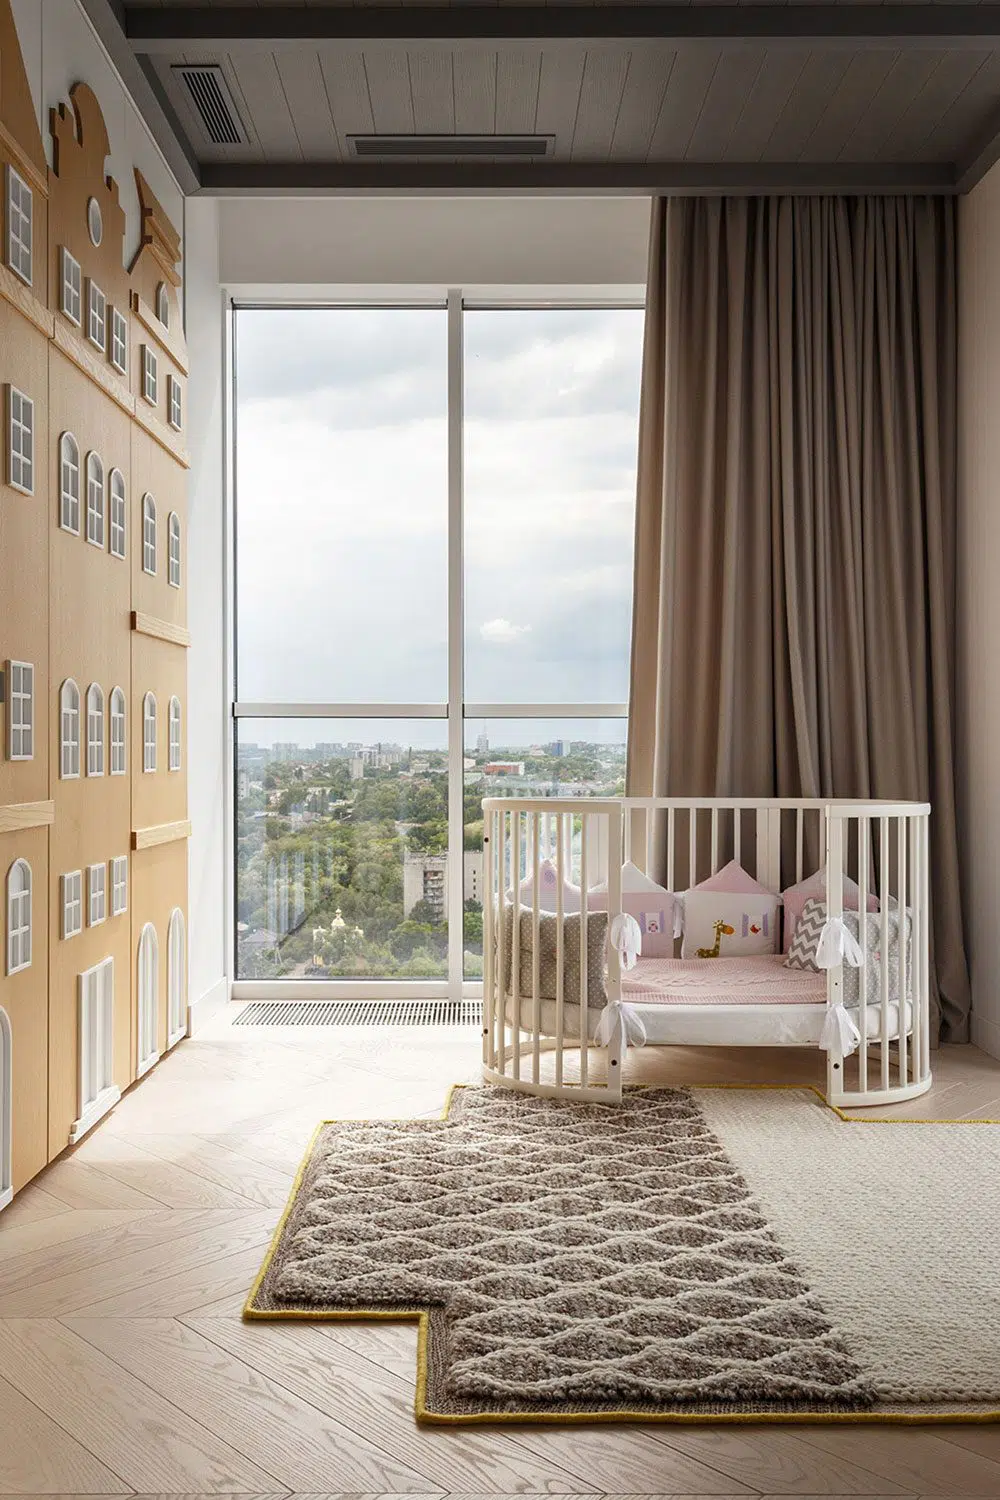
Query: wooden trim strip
<point x="18" y="816"/>
<point x="160" y="630"/>
<point x="160" y="833"/>
<point x="23" y="299"/>
<point x="74" y="348"/>
<point x="170" y="345"/>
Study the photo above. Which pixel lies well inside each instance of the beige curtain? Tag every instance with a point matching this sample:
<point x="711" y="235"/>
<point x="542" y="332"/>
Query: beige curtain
<point x="795" y="539"/>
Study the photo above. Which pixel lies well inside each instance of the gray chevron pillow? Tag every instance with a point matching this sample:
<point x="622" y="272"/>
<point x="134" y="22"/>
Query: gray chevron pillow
<point x="802" y="953"/>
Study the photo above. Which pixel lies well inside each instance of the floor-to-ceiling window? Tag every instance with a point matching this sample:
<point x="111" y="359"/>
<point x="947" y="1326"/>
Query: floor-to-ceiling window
<point x="433" y="566"/>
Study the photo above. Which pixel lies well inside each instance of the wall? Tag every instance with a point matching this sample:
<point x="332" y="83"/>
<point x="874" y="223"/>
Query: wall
<point x="978" y="695"/>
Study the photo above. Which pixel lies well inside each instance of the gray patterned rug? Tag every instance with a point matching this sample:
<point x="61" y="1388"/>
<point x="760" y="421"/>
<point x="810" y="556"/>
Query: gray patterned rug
<point x="568" y="1259"/>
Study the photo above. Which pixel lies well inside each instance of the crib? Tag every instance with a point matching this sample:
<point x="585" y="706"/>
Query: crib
<point x="542" y="1028"/>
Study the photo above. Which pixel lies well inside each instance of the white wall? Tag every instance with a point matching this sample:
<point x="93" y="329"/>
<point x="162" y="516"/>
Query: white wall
<point x="978" y="695"/>
<point x="435" y="241"/>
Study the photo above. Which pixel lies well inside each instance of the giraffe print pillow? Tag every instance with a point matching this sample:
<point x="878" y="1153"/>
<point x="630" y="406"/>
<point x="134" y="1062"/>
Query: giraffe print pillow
<point x="720" y="924"/>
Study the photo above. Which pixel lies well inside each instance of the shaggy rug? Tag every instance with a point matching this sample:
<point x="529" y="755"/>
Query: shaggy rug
<point x="699" y="1254"/>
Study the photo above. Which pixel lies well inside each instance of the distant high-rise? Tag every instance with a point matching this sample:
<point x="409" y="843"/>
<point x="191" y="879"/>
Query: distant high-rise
<point x="483" y="743"/>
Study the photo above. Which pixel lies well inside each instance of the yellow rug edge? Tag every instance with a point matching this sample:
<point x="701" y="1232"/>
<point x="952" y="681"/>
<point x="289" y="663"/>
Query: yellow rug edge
<point x="421" y="1317"/>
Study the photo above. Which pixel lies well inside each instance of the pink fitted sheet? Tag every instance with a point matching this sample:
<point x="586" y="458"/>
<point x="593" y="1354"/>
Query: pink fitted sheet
<point x="722" y="981"/>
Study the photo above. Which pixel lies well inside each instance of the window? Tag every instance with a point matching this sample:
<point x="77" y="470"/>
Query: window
<point x="97" y="316"/>
<point x="118" y="509"/>
<point x="70" y="286"/>
<point x="95" y="222"/>
<point x="174" y="550"/>
<point x="20" y="441"/>
<point x="95" y="500"/>
<point x="345" y="413"/>
<point x="20" y="710"/>
<point x="98" y="1092"/>
<point x="176" y="978"/>
<point x="69" y="730"/>
<point x="19" y="224"/>
<point x="148" y="534"/>
<point x="149" y="732"/>
<point x="119" y="885"/>
<point x="174" y="761"/>
<point x="95" y="730"/>
<point x="149" y="999"/>
<point x="163" y="304"/>
<point x="148" y="375"/>
<point x="18" y="916"/>
<point x="174" y="402"/>
<point x="69" y="483"/>
<point x="119" y="341"/>
<point x="117" y="715"/>
<point x="72" y="903"/>
<point x="97" y="894"/>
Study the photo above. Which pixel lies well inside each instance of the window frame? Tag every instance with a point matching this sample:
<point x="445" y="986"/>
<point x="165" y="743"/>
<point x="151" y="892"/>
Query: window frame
<point x="150" y="376"/>
<point x="175" y="412"/>
<point x="71" y="903"/>
<point x="20" y="937"/>
<point x="18" y="247"/>
<point x="117" y="515"/>
<point x="97" y="894"/>
<point x="150" y="714"/>
<point x="95" y="730"/>
<point x="70" y="287"/>
<point x="174" y="550"/>
<point x="69" y="496"/>
<point x="69" y="731"/>
<point x="174" y="734"/>
<point x="20" y="467"/>
<point x="119" y="885"/>
<point x="95" y="500"/>
<point x="119" y="341"/>
<point x="97" y="316"/>
<point x="149" y="547"/>
<point x="20" y="724"/>
<point x="118" y="742"/>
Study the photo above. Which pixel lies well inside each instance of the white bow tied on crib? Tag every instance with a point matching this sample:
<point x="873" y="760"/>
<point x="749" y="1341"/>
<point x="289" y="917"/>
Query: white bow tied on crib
<point x="619" y="1022"/>
<point x="626" y="937"/>
<point x="837" y="944"/>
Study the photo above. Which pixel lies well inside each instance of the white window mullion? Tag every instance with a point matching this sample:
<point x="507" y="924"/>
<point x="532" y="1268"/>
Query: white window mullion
<point x="456" y="727"/>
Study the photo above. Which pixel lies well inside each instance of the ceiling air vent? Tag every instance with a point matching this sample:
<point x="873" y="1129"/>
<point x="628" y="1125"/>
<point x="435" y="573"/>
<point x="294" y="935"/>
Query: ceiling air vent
<point x="521" y="147"/>
<point x="213" y="102"/>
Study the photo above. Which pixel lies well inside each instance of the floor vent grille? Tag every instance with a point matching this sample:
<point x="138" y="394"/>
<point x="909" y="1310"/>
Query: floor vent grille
<point x="362" y="1013"/>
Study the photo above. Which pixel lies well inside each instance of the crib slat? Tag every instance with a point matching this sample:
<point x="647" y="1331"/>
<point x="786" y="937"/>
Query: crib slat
<point x="884" y="898"/>
<point x="737" y="835"/>
<point x="489" y="998"/>
<point x="925" y="987"/>
<point x="671" y="828"/>
<point x="536" y="956"/>
<point x="515" y="978"/>
<point x="560" y="942"/>
<point x="799" y="827"/>
<point x="715" y="841"/>
<point x="864" y="837"/>
<point x="901" y="951"/>
<point x="917" y="1061"/>
<point x="692" y="847"/>
<point x="584" y="1009"/>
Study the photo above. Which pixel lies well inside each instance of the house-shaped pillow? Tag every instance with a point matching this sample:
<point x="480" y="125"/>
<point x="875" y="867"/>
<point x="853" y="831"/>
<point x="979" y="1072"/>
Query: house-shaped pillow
<point x="654" y="908"/>
<point x="730" y="915"/>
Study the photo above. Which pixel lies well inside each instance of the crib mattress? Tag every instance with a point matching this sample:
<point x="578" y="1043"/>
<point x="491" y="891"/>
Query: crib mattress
<point x="722" y="981"/>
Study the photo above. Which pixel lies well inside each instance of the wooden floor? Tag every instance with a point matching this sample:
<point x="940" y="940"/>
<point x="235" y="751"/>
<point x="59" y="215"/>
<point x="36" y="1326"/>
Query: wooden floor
<point x="125" y="1368"/>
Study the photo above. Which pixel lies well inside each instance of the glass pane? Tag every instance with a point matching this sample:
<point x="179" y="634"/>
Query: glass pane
<point x="341" y="849"/>
<point x="530" y="758"/>
<point x="342" y="505"/>
<point x="551" y="430"/>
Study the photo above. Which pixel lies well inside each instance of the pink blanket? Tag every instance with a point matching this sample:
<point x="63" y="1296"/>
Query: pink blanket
<point x="722" y="981"/>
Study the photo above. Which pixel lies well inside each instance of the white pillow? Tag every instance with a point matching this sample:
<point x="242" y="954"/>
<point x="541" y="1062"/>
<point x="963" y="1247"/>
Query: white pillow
<point x="729" y="924"/>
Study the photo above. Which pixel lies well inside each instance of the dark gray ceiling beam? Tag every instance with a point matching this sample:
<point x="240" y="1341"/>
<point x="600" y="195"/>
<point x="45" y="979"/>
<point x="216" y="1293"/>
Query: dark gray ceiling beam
<point x="983" y="153"/>
<point x="231" y="28"/>
<point x="303" y="179"/>
<point x="108" y="19"/>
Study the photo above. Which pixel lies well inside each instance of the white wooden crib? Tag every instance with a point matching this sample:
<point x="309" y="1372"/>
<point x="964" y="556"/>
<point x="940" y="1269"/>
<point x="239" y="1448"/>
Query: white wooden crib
<point x="882" y="846"/>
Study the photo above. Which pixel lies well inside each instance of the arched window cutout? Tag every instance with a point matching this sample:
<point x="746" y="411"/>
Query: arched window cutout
<point x="163" y="304"/>
<point x="95" y="500"/>
<point x="6" y="1112"/>
<point x="148" y="534"/>
<point x="148" y="991"/>
<point x="98" y="1091"/>
<point x="174" y="550"/>
<point x="118" y="509"/>
<point x="69" y="483"/>
<point x="176" y="977"/>
<point x="95" y="730"/>
<point x="69" y="730"/>
<point x="174" y="738"/>
<point x="149" y="732"/>
<point x="18" y="916"/>
<point x="117" y="715"/>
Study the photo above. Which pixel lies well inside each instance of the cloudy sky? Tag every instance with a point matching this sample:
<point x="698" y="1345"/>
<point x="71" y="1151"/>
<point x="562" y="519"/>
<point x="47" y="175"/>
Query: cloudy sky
<point x="342" y="504"/>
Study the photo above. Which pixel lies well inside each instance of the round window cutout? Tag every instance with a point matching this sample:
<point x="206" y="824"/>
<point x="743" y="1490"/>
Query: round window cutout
<point x="95" y="223"/>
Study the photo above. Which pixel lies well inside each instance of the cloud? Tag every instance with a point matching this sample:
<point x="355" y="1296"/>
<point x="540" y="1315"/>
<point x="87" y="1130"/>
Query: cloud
<point x="502" y="633"/>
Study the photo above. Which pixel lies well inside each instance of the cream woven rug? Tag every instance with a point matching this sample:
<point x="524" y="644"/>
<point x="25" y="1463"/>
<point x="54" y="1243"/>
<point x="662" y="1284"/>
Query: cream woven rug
<point x="704" y="1254"/>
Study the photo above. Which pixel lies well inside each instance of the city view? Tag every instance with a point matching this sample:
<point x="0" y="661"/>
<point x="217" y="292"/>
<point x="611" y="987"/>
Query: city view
<point x="341" y="851"/>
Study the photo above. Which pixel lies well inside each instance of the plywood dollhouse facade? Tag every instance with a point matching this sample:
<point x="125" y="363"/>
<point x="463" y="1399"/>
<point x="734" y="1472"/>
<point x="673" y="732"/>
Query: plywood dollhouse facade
<point x="93" y="795"/>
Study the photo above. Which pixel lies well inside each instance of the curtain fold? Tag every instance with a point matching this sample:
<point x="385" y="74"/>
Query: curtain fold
<point x="793" y="627"/>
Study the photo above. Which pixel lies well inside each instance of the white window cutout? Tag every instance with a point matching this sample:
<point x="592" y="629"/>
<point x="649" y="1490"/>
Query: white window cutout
<point x="174" y="726"/>
<point x="69" y="730"/>
<point x="149" y="999"/>
<point x="69" y="483"/>
<point x="20" y="216"/>
<point x="148" y="534"/>
<point x="95" y="500"/>
<point x="174" y="402"/>
<point x="176" y="978"/>
<point x="118" y="508"/>
<point x="95" y="730"/>
<point x="95" y="222"/>
<point x="6" y="1112"/>
<point x="97" y="317"/>
<point x="149" y="376"/>
<point x="20" y="710"/>
<point x="18" y="916"/>
<point x="119" y="885"/>
<point x="119" y="341"/>
<point x="174" y="550"/>
<point x="20" y="441"/>
<point x="97" y="894"/>
<point x="163" y="304"/>
<point x="98" y="1092"/>
<point x="72" y="903"/>
<point x="149" y="732"/>
<point x="117" y="716"/>
<point x="70" y="286"/>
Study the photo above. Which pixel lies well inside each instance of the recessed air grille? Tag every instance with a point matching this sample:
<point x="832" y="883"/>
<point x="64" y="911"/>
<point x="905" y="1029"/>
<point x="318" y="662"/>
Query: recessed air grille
<point x="362" y="1013"/>
<point x="209" y="93"/>
<point x="517" y="146"/>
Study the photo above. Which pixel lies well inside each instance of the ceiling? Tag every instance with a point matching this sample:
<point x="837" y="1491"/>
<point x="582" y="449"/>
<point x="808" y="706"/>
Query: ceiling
<point x="608" y="97"/>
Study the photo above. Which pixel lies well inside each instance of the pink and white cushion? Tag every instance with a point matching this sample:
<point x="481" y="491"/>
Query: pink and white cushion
<point x="813" y="888"/>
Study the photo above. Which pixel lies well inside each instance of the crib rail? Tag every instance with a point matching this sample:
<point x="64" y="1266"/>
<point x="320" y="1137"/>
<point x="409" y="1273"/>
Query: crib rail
<point x="542" y="994"/>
